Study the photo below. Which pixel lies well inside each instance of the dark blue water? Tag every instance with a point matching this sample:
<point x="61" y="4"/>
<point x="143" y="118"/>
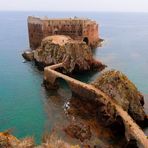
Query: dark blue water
<point x="23" y="101"/>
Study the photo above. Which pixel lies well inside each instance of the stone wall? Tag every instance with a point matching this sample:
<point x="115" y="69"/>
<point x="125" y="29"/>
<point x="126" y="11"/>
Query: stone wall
<point x="36" y="34"/>
<point x="51" y="82"/>
<point x="78" y="29"/>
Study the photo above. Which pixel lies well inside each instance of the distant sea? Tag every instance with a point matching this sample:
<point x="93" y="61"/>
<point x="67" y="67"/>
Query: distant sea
<point x="24" y="106"/>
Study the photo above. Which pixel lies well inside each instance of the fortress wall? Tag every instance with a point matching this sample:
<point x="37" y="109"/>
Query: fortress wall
<point x="35" y="30"/>
<point x="77" y="29"/>
<point x="64" y="27"/>
<point x="91" y="32"/>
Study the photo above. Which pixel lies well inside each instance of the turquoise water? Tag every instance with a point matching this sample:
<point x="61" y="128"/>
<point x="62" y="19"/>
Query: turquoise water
<point x="24" y="107"/>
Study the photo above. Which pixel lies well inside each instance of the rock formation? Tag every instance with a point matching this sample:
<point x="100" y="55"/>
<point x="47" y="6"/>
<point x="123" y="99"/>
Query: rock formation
<point x="119" y="87"/>
<point x="78" y="131"/>
<point x="28" y="55"/>
<point x="9" y="141"/>
<point x="76" y="55"/>
<point x="49" y="141"/>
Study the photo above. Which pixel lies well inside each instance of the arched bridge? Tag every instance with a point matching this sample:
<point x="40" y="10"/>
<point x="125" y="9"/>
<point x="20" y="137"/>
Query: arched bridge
<point x="90" y="92"/>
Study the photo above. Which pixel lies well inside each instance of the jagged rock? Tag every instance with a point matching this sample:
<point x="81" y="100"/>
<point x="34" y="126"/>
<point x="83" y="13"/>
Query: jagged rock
<point x="9" y="141"/>
<point x="78" y="131"/>
<point x="119" y="87"/>
<point x="49" y="141"/>
<point x="97" y="44"/>
<point x="28" y="55"/>
<point x="75" y="55"/>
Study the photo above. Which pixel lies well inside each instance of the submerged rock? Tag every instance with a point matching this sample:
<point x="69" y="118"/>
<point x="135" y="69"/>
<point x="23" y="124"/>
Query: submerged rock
<point x="119" y="87"/>
<point x="76" y="55"/>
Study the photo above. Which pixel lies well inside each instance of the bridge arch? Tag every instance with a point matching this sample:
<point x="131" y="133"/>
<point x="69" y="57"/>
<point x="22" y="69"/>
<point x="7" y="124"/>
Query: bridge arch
<point x="55" y="31"/>
<point x="64" y="85"/>
<point x="86" y="40"/>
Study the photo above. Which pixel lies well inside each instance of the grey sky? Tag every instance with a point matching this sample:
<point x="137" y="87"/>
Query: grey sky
<point x="75" y="5"/>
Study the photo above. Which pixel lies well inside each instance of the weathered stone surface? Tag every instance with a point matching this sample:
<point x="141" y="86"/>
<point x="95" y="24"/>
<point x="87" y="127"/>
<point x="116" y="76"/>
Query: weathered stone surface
<point x="119" y="87"/>
<point x="75" y="55"/>
<point x="28" y="55"/>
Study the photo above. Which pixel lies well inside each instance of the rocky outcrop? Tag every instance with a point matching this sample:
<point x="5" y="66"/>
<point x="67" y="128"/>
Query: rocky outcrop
<point x="49" y="141"/>
<point x="97" y="43"/>
<point x="9" y="141"/>
<point x="78" y="131"/>
<point x="76" y="56"/>
<point x="28" y="55"/>
<point x="119" y="87"/>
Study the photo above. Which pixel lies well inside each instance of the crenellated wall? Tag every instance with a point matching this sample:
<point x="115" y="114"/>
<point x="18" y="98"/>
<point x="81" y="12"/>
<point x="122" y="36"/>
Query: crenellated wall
<point x="78" y="29"/>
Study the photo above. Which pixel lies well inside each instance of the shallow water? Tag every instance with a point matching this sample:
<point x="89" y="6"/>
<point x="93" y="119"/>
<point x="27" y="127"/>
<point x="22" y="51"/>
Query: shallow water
<point x="25" y="106"/>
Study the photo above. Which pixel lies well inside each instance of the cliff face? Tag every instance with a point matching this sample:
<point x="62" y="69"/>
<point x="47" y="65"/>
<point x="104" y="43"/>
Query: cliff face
<point x="119" y="87"/>
<point x="75" y="55"/>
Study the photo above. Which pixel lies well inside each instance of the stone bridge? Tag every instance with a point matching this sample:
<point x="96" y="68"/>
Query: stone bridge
<point x="88" y="91"/>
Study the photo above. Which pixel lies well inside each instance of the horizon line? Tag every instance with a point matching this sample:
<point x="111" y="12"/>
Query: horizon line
<point x="72" y="11"/>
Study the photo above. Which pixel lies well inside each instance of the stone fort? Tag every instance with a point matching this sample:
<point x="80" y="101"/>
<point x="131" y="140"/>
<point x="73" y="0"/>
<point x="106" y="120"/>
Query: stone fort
<point x="80" y="29"/>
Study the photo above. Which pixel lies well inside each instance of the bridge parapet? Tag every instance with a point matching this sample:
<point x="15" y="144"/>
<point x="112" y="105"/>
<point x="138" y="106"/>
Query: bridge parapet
<point x="50" y="81"/>
<point x="82" y="92"/>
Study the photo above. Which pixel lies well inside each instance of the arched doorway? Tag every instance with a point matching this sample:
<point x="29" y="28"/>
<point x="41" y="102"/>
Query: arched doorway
<point x="63" y="87"/>
<point x="86" y="40"/>
<point x="55" y="32"/>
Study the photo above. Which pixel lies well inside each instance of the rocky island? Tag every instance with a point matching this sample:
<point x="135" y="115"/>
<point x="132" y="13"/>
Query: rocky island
<point x="75" y="55"/>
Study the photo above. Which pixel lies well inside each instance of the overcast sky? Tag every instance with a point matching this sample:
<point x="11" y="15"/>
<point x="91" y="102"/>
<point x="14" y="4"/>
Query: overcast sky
<point x="75" y="5"/>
